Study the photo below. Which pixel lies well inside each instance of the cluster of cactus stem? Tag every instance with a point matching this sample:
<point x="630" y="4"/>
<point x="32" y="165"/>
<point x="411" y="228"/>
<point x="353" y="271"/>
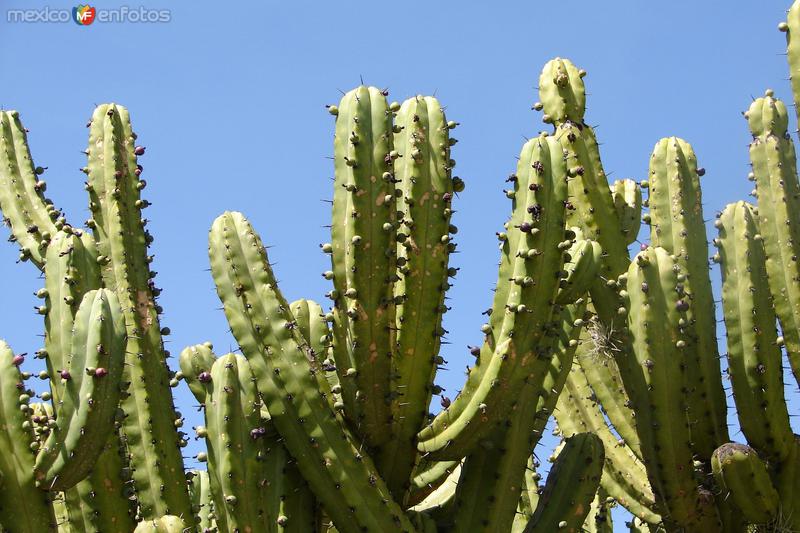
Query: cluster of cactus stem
<point x="320" y="421"/>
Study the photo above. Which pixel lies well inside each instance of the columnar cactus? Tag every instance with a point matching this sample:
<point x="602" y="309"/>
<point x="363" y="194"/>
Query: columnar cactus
<point x="321" y="422"/>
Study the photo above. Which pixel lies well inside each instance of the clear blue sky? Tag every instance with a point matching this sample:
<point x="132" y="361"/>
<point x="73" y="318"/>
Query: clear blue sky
<point x="229" y="100"/>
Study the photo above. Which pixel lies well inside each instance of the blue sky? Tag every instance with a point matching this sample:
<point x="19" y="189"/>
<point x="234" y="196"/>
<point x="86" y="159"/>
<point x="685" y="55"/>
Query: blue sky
<point x="229" y="100"/>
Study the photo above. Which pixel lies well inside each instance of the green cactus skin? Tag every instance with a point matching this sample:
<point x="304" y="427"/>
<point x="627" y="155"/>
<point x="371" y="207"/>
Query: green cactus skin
<point x="439" y="504"/>
<point x="743" y="476"/>
<point x="677" y="225"/>
<point x="599" y="518"/>
<point x="493" y="478"/>
<point x="624" y="476"/>
<point x="772" y="156"/>
<point x="202" y="502"/>
<point x="149" y="425"/>
<point x="99" y="502"/>
<point x="754" y="355"/>
<point x="232" y="415"/>
<point x="71" y="271"/>
<point x="528" y="498"/>
<point x="423" y="175"/>
<point x="792" y="29"/>
<point x="23" y="507"/>
<point x="163" y="524"/>
<point x="597" y="358"/>
<point x="312" y="323"/>
<point x="427" y="477"/>
<point x="581" y="270"/>
<point x="292" y="385"/>
<point x="516" y="351"/>
<point x="786" y="477"/>
<point x="562" y="92"/>
<point x="627" y="196"/>
<point x="84" y="418"/>
<point x="32" y="217"/>
<point x="570" y="486"/>
<point x="196" y="363"/>
<point x="363" y="258"/>
<point x="657" y="311"/>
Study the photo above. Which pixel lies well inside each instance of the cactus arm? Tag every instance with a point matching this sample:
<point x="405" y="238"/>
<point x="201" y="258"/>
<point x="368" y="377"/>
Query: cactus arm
<point x="202" y="502"/>
<point x="657" y="309"/>
<point x="624" y="476"/>
<point x="792" y="29"/>
<point x="85" y="415"/>
<point x="312" y="323"/>
<point x="439" y="504"/>
<point x="742" y="476"/>
<point x="292" y="386"/>
<point x="772" y="157"/>
<point x="581" y="270"/>
<point x="163" y="524"/>
<point x="627" y="196"/>
<point x="562" y="92"/>
<point x="233" y="423"/>
<point x="363" y="257"/>
<point x="599" y="518"/>
<point x="149" y="427"/>
<point x="30" y="215"/>
<point x="71" y="271"/>
<point x="196" y="363"/>
<point x="571" y="486"/>
<point x="422" y="173"/>
<point x="528" y="498"/>
<point x="597" y="357"/>
<point x="23" y="507"/>
<point x="522" y="339"/>
<point x="493" y="478"/>
<point x="426" y="480"/>
<point x="754" y="355"/>
<point x="677" y="225"/>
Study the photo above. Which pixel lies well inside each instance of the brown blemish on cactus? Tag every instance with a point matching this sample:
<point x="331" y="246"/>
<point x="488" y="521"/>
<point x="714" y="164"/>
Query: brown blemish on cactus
<point x="143" y="305"/>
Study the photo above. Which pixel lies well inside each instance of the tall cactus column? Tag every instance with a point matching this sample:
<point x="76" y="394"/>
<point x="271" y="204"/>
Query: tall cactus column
<point x="677" y="225"/>
<point x="423" y="175"/>
<point x="149" y="427"/>
<point x="772" y="156"/>
<point x="363" y="256"/>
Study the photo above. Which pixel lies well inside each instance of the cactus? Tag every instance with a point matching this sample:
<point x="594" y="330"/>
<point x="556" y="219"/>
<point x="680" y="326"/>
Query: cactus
<point x="321" y="423"/>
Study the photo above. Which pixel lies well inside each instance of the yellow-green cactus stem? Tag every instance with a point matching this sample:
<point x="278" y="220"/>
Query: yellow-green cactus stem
<point x="624" y="476"/>
<point x="599" y="519"/>
<point x="23" y="507"/>
<point x="71" y="271"/>
<point x="627" y="195"/>
<point x="772" y="156"/>
<point x="656" y="321"/>
<point x="792" y="29"/>
<point x="528" y="498"/>
<point x="742" y="476"/>
<point x="493" y="477"/>
<point x="754" y="355"/>
<point x="312" y="323"/>
<point x="115" y="202"/>
<point x="518" y="338"/>
<point x="202" y="503"/>
<point x="292" y="384"/>
<point x="32" y="217"/>
<point x="585" y="258"/>
<point x="163" y="524"/>
<point x="423" y="175"/>
<point x="677" y="225"/>
<point x="84" y="418"/>
<point x="363" y="258"/>
<point x="571" y="486"/>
